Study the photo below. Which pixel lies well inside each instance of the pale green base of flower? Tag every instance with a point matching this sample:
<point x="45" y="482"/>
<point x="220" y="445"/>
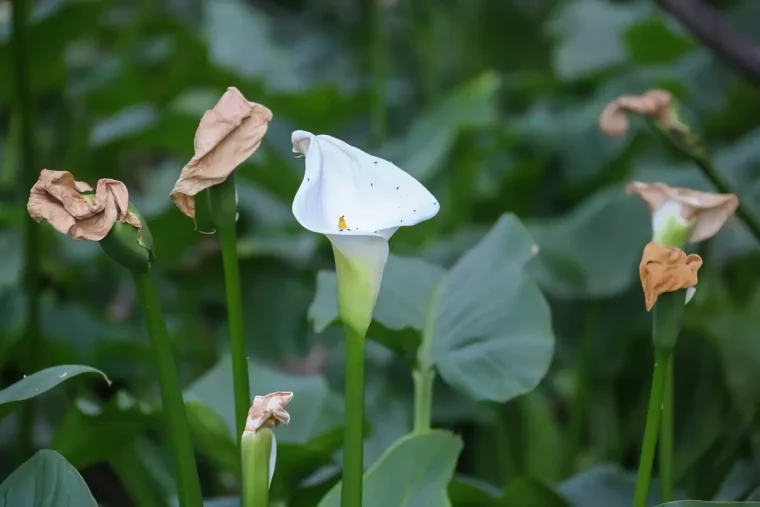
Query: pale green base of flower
<point x="256" y="452"/>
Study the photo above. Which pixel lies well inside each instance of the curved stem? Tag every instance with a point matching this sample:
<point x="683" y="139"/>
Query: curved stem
<point x="644" y="477"/>
<point x="176" y="428"/>
<point x="582" y="387"/>
<point x="665" y="455"/>
<point x="24" y="107"/>
<point x="353" y="442"/>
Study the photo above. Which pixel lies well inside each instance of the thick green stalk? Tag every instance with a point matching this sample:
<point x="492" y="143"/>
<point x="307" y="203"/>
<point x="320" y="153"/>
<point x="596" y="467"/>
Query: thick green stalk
<point x="256" y="451"/>
<point x="177" y="428"/>
<point x="379" y="64"/>
<point x="353" y="441"/>
<point x="665" y="456"/>
<point x="224" y="212"/>
<point x="582" y="385"/>
<point x="644" y="477"/>
<point x="24" y="107"/>
<point x="423" y="399"/>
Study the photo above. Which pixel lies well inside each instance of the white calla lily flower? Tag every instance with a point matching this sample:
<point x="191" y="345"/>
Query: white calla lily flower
<point x="358" y="201"/>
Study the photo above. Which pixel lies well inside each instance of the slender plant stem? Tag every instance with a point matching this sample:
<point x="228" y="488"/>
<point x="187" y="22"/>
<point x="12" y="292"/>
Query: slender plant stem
<point x="353" y="442"/>
<point x="423" y="399"/>
<point x="649" y="446"/>
<point x="228" y="240"/>
<point x="582" y="385"/>
<point x="24" y="107"/>
<point x="665" y="456"/>
<point x="177" y="428"/>
<point x="256" y="453"/>
<point x="379" y="69"/>
<point x="223" y="206"/>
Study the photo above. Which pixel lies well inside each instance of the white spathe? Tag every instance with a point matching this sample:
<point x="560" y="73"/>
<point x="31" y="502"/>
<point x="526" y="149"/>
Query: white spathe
<point x="358" y="201"/>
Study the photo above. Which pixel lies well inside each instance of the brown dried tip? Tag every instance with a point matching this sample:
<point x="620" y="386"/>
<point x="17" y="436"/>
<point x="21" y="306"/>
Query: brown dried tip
<point x="655" y="104"/>
<point x="666" y="269"/>
<point x="227" y="135"/>
<point x="56" y="198"/>
<point x="710" y="211"/>
<point x="268" y="411"/>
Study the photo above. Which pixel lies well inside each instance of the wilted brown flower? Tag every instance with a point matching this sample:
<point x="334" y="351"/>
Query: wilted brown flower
<point x="227" y="135"/>
<point x="656" y="104"/>
<point x="57" y="197"/>
<point x="708" y="211"/>
<point x="666" y="269"/>
<point x="268" y="411"/>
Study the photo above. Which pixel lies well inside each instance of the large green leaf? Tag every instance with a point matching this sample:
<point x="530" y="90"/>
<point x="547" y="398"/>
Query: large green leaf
<point x="45" y="480"/>
<point x="492" y="336"/>
<point x="525" y="492"/>
<point x="574" y="264"/>
<point x="414" y="471"/>
<point x="40" y="382"/>
<point x="700" y="503"/>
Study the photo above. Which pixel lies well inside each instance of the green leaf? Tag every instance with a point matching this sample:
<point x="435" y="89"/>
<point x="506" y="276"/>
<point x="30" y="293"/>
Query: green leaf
<point x="492" y="336"/>
<point x="700" y="503"/>
<point x="40" y="382"/>
<point x="525" y="492"/>
<point x="413" y="471"/>
<point x="604" y="486"/>
<point x="44" y="480"/>
<point x="573" y="263"/>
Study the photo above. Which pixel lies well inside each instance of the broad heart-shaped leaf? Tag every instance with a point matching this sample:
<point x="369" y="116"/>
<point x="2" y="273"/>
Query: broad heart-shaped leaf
<point x="45" y="480"/>
<point x="604" y="486"/>
<point x="414" y="471"/>
<point x="40" y="382"/>
<point x="492" y="335"/>
<point x="574" y="264"/>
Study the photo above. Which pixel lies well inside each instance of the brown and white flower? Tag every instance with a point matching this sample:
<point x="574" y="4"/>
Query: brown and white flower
<point x="655" y="104"/>
<point x="268" y="411"/>
<point x="705" y="212"/>
<point x="227" y="135"/>
<point x="58" y="198"/>
<point x="666" y="269"/>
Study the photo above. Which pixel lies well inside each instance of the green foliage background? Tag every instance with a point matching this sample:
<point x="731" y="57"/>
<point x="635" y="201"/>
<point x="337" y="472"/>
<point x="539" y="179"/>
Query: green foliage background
<point x="493" y="105"/>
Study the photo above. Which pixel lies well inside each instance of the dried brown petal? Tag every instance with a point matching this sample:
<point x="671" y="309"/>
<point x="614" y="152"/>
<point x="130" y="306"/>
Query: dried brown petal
<point x="227" y="135"/>
<point x="655" y="104"/>
<point x="268" y="411"/>
<point x="56" y="198"/>
<point x="666" y="269"/>
<point x="710" y="211"/>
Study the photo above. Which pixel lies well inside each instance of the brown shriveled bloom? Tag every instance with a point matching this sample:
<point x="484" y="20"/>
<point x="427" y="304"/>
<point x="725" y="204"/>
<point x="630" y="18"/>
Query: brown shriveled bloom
<point x="666" y="269"/>
<point x="708" y="211"/>
<point x="227" y="135"/>
<point x="268" y="411"/>
<point x="57" y="197"/>
<point x="656" y="104"/>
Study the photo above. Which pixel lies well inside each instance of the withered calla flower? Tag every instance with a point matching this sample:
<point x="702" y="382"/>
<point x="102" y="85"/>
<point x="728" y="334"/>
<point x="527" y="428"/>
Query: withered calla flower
<point x="268" y="411"/>
<point x="227" y="135"/>
<point x="58" y="198"/>
<point x="655" y="104"/>
<point x="666" y="269"/>
<point x="705" y="211"/>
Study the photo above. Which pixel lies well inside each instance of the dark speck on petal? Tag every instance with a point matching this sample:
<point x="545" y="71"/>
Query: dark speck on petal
<point x="371" y="184"/>
<point x="402" y="221"/>
<point x="414" y="211"/>
<point x="396" y="188"/>
<point x="376" y="161"/>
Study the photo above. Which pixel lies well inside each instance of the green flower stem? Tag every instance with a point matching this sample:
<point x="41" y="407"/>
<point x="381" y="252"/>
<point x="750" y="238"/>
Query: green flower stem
<point x="379" y="64"/>
<point x="353" y="441"/>
<point x="24" y="107"/>
<point x="177" y="428"/>
<point x="423" y="399"/>
<point x="582" y="385"/>
<point x="224" y="214"/>
<point x="665" y="456"/>
<point x="667" y="321"/>
<point x="256" y="449"/>
<point x="644" y="477"/>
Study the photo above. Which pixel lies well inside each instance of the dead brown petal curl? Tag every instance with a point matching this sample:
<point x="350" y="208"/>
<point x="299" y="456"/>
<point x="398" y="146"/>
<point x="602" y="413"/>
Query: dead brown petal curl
<point x="227" y="135"/>
<point x="666" y="269"/>
<point x="268" y="411"/>
<point x="709" y="211"/>
<point x="656" y="104"/>
<point x="57" y="198"/>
